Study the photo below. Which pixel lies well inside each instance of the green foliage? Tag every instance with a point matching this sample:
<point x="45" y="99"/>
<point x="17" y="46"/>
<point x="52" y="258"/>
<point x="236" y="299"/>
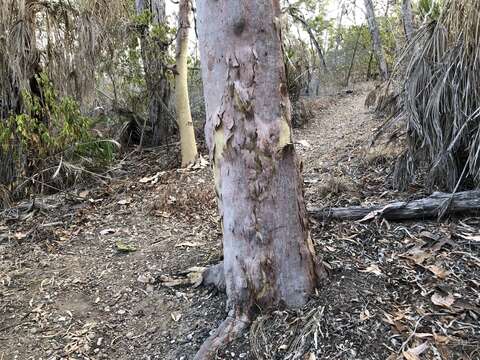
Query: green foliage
<point x="50" y="125"/>
<point x="430" y="9"/>
<point x="159" y="32"/>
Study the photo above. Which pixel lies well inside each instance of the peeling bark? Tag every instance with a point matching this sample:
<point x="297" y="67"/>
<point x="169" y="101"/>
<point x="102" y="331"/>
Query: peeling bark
<point x="182" y="104"/>
<point x="269" y="259"/>
<point x="376" y="39"/>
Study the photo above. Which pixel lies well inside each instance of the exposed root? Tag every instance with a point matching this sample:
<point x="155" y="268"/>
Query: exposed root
<point x="215" y="276"/>
<point x="230" y="329"/>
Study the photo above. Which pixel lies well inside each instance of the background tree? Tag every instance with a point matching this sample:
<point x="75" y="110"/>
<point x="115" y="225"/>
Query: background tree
<point x="376" y="38"/>
<point x="154" y="42"/>
<point x="268" y="254"/>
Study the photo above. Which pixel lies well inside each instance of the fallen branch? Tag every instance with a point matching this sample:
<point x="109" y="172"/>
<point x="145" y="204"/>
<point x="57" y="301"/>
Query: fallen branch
<point x="434" y="206"/>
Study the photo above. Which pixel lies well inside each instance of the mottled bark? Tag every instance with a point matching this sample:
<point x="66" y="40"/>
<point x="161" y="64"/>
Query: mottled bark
<point x="376" y="39"/>
<point x="182" y="103"/>
<point x="269" y="259"/>
<point x="153" y="52"/>
<point x="407" y="17"/>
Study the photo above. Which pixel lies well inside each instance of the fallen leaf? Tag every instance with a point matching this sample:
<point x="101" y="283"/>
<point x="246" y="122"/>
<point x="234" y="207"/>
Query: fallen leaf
<point x="20" y="235"/>
<point x="203" y="161"/>
<point x="438" y="271"/>
<point x="125" y="201"/>
<point x="413" y="354"/>
<point x="310" y="356"/>
<point x="151" y="179"/>
<point x="417" y="255"/>
<point x="373" y="269"/>
<point x="170" y="282"/>
<point x="123" y="247"/>
<point x="445" y="301"/>
<point x="107" y="231"/>
<point x="470" y="237"/>
<point x="176" y="316"/>
<point x="423" y="335"/>
<point x="189" y="244"/>
<point x="192" y="276"/>
<point x="145" y="279"/>
<point x="304" y="143"/>
<point x="365" y="315"/>
<point x="440" y="339"/>
<point x="84" y="194"/>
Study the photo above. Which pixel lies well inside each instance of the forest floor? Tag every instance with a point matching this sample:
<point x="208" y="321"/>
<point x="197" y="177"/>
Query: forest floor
<point x="108" y="272"/>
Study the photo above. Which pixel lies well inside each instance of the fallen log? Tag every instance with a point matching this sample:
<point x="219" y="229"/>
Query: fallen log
<point x="435" y="206"/>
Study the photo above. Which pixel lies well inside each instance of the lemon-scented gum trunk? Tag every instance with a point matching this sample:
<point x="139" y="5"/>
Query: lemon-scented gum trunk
<point x="269" y="259"/>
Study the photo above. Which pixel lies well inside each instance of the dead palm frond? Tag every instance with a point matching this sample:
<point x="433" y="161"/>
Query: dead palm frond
<point x="441" y="100"/>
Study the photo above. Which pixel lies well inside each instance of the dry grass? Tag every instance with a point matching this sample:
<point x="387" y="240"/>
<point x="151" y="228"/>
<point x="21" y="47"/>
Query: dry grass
<point x="380" y="155"/>
<point x="335" y="186"/>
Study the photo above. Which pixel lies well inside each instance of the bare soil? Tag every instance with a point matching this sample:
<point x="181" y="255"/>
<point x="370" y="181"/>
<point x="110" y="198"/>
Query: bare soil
<point x="102" y="273"/>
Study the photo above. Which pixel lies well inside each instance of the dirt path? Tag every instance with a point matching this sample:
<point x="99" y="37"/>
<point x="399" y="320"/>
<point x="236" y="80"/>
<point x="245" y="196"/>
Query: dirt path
<point x="85" y="277"/>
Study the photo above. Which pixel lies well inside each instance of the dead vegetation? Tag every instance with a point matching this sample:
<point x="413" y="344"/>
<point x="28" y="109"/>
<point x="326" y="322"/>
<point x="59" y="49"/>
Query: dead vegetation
<point x="436" y="104"/>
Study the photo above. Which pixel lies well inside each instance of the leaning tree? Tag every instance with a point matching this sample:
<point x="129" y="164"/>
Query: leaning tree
<point x="269" y="259"/>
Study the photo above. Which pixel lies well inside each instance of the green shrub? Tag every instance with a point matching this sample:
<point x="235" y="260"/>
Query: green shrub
<point x="50" y="130"/>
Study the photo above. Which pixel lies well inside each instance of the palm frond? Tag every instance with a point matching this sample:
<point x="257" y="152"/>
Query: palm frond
<point x="441" y="100"/>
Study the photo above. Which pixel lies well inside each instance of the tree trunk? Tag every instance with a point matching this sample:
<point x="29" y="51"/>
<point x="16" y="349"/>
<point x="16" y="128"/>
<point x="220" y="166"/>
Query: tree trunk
<point x="369" y="68"/>
<point x="153" y="51"/>
<point x="338" y="37"/>
<point x="182" y="103"/>
<point x="269" y="259"/>
<point x="352" y="62"/>
<point x="376" y="39"/>
<point x="407" y="16"/>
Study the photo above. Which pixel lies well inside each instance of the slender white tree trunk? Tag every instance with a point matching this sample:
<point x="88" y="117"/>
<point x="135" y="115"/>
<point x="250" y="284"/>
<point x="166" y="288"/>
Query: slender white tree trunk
<point x="268" y="254"/>
<point x="182" y="103"/>
<point x="376" y="39"/>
